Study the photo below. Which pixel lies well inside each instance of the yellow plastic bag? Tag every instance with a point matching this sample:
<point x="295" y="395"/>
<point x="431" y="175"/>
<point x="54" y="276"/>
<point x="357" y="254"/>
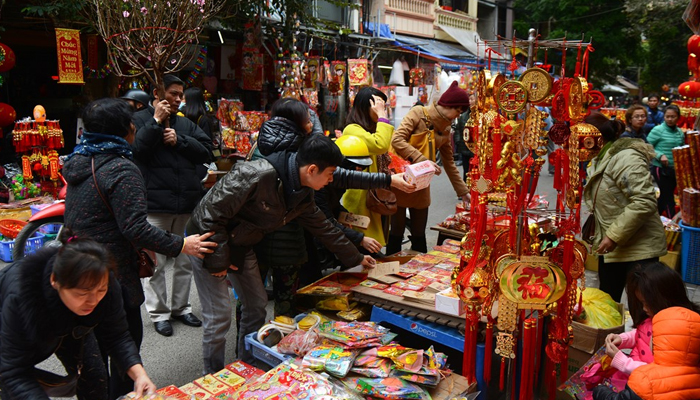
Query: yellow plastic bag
<point x="599" y="310"/>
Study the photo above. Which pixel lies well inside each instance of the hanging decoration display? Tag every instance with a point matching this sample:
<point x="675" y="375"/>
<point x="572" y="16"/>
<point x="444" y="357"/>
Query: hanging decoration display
<point x="252" y="70"/>
<point x="352" y="92"/>
<point x="7" y="115"/>
<point x="7" y="58"/>
<point x="199" y="65"/>
<point x="358" y="72"/>
<point x="311" y="96"/>
<point x="70" y="63"/>
<point x="510" y="262"/>
<point x="336" y="85"/>
<point x="101" y="73"/>
<point x="92" y="44"/>
<point x="312" y="76"/>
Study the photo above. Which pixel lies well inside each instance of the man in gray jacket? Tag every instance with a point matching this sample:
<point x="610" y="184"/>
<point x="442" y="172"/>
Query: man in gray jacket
<point x="253" y="199"/>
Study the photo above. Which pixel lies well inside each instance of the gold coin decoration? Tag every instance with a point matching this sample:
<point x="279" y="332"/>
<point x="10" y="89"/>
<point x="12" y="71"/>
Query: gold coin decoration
<point x="538" y="84"/>
<point x="512" y="97"/>
<point x="575" y="100"/>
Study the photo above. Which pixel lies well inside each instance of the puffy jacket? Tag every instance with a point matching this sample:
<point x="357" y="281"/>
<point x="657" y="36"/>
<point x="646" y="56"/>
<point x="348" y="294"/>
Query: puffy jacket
<point x="675" y="372"/>
<point x="172" y="173"/>
<point x="664" y="139"/>
<point x="279" y="134"/>
<point x="254" y="199"/>
<point x="654" y="118"/>
<point x="87" y="215"/>
<point x="34" y="321"/>
<point x="415" y="123"/>
<point x="625" y="208"/>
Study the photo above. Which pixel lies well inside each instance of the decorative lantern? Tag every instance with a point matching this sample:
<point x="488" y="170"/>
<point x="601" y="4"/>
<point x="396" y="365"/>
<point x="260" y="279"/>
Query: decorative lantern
<point x="689" y="89"/>
<point x="7" y="114"/>
<point x="7" y="58"/>
<point x="694" y="45"/>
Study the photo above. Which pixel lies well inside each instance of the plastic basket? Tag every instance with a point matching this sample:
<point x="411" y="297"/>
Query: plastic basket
<point x="10" y="227"/>
<point x="33" y="244"/>
<point x="690" y="254"/>
<point x="262" y="352"/>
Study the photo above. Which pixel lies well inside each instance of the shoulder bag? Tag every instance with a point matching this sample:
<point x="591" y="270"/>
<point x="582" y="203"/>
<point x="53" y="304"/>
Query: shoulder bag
<point x="146" y="258"/>
<point x="382" y="201"/>
<point x="425" y="141"/>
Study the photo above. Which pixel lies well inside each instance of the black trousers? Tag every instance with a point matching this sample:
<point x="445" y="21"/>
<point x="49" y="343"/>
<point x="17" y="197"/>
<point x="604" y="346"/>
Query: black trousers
<point x="666" y="180"/>
<point x="419" y="222"/>
<point x="613" y="276"/>
<point x="119" y="384"/>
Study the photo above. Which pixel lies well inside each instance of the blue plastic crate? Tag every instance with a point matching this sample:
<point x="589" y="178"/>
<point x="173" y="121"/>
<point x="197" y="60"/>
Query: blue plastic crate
<point x="445" y="335"/>
<point x="262" y="352"/>
<point x="33" y="244"/>
<point x="691" y="254"/>
<point x="51" y="228"/>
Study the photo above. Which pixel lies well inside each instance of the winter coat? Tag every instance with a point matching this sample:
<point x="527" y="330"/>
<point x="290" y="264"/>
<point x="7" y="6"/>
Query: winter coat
<point x="87" y="215"/>
<point x="172" y="174"/>
<point x="625" y="208"/>
<point x="34" y="321"/>
<point x="355" y="200"/>
<point x="664" y="139"/>
<point x="632" y="134"/>
<point x="256" y="198"/>
<point x="675" y="372"/>
<point x="639" y="340"/>
<point x="415" y="123"/>
<point x="654" y="118"/>
<point x="279" y="134"/>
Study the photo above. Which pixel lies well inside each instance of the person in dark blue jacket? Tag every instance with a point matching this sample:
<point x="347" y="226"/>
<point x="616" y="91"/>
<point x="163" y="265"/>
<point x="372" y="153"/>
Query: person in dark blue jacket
<point x="655" y="116"/>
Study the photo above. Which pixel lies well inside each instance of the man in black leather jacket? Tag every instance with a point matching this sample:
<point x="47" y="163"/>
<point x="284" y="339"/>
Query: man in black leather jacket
<point x="253" y="199"/>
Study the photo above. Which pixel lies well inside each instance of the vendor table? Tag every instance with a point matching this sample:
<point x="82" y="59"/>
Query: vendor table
<point x="452" y="386"/>
<point x="445" y="233"/>
<point x="400" y="306"/>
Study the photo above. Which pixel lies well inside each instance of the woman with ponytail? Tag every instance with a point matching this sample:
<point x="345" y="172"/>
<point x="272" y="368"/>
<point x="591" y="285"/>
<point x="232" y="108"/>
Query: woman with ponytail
<point x="621" y="195"/>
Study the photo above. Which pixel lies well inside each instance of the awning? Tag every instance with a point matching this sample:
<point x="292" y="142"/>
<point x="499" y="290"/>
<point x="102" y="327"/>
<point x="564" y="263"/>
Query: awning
<point x="626" y="83"/>
<point x="613" y="89"/>
<point x="435" y="50"/>
<point x="471" y="41"/>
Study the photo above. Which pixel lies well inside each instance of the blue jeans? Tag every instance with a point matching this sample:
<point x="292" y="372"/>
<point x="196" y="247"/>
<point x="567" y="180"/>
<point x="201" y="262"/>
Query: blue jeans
<point x="215" y="297"/>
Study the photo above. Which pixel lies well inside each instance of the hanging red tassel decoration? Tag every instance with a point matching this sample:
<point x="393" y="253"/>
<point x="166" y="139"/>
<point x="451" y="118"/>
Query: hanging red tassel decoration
<point x="502" y="380"/>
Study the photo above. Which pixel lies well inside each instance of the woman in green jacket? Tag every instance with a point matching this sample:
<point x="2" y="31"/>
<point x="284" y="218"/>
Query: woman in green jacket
<point x="664" y="138"/>
<point x="620" y="194"/>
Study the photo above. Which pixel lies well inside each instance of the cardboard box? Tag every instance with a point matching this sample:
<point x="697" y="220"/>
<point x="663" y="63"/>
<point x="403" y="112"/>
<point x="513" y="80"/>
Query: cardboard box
<point x="335" y="288"/>
<point x="576" y="360"/>
<point x="420" y="174"/>
<point x="672" y="259"/>
<point x="589" y="339"/>
<point x="449" y="303"/>
<point x="592" y="263"/>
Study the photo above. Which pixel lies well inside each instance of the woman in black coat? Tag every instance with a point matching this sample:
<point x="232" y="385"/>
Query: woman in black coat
<point x="60" y="301"/>
<point x="106" y="201"/>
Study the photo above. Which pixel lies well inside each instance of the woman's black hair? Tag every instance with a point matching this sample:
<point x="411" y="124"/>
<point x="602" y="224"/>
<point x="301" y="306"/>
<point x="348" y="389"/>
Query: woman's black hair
<point x="660" y="286"/>
<point x="673" y="107"/>
<point x="359" y="114"/>
<point x="293" y="110"/>
<point x="610" y="129"/>
<point x="81" y="262"/>
<point x="194" y="104"/>
<point x="108" y="116"/>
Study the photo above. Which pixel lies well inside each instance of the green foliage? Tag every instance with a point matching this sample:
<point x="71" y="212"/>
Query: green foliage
<point x="616" y="45"/>
<point x="59" y="10"/>
<point x="664" y="55"/>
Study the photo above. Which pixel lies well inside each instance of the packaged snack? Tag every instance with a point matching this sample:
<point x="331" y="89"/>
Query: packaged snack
<point x="335" y="360"/>
<point x="299" y="342"/>
<point x="389" y="388"/>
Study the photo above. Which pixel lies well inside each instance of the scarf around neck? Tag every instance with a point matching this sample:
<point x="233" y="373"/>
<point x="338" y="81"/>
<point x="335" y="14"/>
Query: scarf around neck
<point x="99" y="143"/>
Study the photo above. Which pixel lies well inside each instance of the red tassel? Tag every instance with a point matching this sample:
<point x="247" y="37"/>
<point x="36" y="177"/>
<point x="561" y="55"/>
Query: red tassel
<point x="503" y="374"/>
<point x="488" y="350"/>
<point x="538" y="350"/>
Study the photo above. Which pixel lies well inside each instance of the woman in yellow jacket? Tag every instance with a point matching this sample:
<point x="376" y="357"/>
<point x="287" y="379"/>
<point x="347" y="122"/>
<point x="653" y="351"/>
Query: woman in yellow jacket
<point x="367" y="120"/>
<point x="426" y="128"/>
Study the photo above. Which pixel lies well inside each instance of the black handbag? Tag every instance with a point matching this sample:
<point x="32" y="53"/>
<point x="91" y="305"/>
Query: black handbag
<point x="146" y="258"/>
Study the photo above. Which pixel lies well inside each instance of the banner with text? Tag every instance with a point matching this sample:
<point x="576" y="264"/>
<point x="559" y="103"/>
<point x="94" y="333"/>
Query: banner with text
<point x="70" y="63"/>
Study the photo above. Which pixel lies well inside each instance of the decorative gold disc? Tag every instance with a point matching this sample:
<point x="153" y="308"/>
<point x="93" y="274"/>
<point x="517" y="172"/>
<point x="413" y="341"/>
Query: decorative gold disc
<point x="575" y="100"/>
<point x="538" y="84"/>
<point x="512" y="97"/>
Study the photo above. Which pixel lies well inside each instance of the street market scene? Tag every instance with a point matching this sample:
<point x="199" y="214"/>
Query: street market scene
<point x="350" y="199"/>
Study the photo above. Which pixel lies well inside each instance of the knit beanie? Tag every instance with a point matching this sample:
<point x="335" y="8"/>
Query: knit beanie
<point x="454" y="97"/>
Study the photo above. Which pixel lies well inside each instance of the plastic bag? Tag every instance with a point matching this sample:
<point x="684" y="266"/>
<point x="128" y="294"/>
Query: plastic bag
<point x="599" y="310"/>
<point x="299" y="342"/>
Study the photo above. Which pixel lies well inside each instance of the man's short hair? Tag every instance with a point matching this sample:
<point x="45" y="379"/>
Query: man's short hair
<point x="320" y="151"/>
<point x="170" y="79"/>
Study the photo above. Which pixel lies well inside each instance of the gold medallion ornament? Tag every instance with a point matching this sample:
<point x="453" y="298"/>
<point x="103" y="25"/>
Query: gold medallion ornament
<point x="494" y="85"/>
<point x="481" y="88"/>
<point x="575" y="100"/>
<point x="534" y="123"/>
<point x="533" y="283"/>
<point x="538" y="84"/>
<point x="512" y="97"/>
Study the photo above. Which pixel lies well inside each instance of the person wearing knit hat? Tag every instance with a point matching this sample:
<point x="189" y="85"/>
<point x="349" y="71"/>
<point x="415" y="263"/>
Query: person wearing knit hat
<point x="423" y="132"/>
<point x="454" y="97"/>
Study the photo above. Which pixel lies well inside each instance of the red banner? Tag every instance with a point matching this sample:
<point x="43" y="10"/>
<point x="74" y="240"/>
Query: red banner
<point x="92" y="52"/>
<point x="70" y="63"/>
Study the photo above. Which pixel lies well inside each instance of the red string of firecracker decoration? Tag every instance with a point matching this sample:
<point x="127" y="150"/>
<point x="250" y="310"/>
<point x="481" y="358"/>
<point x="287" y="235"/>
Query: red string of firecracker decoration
<point x="198" y="65"/>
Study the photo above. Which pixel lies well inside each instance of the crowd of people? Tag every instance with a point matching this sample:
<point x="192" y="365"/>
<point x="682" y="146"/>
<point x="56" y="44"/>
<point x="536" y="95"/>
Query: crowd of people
<point x="135" y="181"/>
